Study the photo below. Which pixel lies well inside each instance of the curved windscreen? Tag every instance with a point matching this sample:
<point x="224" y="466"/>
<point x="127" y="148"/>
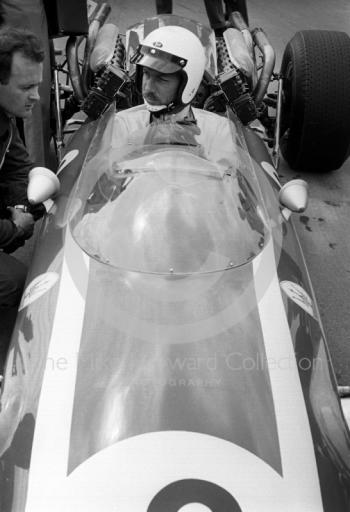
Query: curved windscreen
<point x="162" y="204"/>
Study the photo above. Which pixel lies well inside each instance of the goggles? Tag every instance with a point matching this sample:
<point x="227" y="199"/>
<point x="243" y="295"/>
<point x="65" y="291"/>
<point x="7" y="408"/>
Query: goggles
<point x="157" y="59"/>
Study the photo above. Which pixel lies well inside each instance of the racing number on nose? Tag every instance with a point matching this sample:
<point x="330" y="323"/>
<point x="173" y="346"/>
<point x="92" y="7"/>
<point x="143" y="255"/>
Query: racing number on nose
<point x="185" y="492"/>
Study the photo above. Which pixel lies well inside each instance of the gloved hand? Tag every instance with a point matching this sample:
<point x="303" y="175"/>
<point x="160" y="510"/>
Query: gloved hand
<point x="24" y="222"/>
<point x="37" y="210"/>
<point x="14" y="245"/>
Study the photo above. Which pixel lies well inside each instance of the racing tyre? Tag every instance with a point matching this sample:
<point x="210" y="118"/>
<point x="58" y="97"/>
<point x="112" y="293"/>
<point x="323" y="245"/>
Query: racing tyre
<point x="316" y="100"/>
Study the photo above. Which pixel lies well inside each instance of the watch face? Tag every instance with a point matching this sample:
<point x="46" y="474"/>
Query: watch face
<point x="21" y="207"/>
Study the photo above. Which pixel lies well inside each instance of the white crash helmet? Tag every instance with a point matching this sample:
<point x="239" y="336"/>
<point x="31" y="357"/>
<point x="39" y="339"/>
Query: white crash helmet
<point x="170" y="49"/>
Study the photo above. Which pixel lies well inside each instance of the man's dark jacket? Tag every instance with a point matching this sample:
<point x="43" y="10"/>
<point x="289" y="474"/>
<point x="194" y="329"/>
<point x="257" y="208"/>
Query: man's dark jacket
<point x="14" y="168"/>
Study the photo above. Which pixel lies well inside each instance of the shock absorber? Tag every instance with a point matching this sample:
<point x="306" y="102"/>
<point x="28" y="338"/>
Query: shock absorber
<point x="235" y="86"/>
<point x="111" y="81"/>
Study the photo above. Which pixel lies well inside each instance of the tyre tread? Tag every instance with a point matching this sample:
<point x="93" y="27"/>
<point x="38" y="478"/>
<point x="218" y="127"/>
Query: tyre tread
<point x="319" y="113"/>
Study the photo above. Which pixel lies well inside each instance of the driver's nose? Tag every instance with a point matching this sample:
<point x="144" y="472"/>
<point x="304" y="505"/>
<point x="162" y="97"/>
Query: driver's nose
<point x="147" y="84"/>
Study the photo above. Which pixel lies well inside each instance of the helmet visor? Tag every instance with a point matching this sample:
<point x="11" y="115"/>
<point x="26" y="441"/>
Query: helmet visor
<point x="159" y="60"/>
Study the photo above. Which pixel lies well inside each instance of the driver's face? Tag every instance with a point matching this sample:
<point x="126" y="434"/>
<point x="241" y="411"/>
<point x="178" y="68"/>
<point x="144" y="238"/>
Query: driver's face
<point x="159" y="88"/>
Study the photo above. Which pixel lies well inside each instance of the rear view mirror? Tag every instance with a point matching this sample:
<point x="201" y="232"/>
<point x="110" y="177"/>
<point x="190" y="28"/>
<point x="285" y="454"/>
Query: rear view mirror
<point x="43" y="184"/>
<point x="294" y="195"/>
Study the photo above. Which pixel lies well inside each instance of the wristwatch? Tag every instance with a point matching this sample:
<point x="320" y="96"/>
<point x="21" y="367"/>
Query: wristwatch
<point x="21" y="207"/>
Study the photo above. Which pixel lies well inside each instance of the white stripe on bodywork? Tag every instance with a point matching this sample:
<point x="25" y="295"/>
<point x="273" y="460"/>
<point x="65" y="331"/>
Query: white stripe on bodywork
<point x="48" y="467"/>
<point x="296" y="445"/>
<point x="148" y="463"/>
<point x="127" y="475"/>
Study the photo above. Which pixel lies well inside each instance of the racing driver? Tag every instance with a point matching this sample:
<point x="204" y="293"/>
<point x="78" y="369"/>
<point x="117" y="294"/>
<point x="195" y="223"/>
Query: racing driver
<point x="172" y="61"/>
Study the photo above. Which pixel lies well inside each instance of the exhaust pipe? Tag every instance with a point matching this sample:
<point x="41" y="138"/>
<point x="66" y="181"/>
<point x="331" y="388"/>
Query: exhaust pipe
<point x="269" y="58"/>
<point x="72" y="48"/>
<point x="96" y="23"/>
<point x="257" y="37"/>
<point x="79" y="79"/>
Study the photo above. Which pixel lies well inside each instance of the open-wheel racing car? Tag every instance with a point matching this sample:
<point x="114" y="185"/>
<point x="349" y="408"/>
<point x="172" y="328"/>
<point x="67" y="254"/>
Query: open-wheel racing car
<point x="168" y="353"/>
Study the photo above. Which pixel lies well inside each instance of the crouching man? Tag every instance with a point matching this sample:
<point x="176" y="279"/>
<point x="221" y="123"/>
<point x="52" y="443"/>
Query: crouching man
<point x="21" y="66"/>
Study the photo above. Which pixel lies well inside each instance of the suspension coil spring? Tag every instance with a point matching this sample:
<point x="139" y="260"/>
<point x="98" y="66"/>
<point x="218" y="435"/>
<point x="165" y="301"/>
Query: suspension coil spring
<point x="119" y="55"/>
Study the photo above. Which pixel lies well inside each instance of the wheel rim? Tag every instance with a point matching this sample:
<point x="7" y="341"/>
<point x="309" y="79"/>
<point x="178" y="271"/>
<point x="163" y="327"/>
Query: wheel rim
<point x="287" y="97"/>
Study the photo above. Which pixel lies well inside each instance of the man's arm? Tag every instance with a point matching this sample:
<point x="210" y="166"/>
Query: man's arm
<point x="14" y="172"/>
<point x="14" y="176"/>
<point x="7" y="232"/>
<point x="15" y="225"/>
<point x="15" y="230"/>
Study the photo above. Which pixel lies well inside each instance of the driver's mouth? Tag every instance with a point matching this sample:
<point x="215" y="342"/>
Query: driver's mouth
<point x="152" y="99"/>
